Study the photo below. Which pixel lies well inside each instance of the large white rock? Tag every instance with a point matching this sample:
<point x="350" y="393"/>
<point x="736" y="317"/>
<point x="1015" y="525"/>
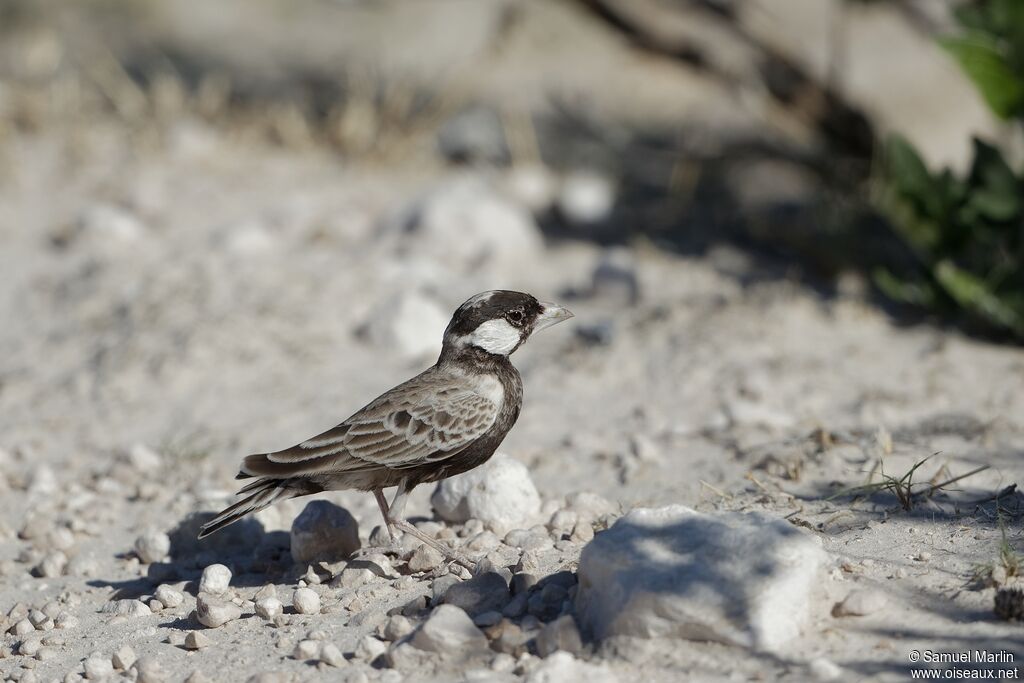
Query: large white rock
<point x="499" y="493"/>
<point x="323" y="531"/>
<point x="740" y="579"/>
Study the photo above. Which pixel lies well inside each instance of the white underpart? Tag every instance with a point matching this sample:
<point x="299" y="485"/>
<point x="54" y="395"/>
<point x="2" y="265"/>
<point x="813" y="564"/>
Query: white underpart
<point x="494" y="336"/>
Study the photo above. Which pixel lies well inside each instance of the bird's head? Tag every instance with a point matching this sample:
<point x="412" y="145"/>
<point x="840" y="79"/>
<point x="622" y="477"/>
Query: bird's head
<point x="499" y="321"/>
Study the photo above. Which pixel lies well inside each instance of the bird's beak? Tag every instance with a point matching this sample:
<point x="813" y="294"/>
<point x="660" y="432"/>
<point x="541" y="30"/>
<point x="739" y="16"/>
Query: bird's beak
<point x="551" y="315"/>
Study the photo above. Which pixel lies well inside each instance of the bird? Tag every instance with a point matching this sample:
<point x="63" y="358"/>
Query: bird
<point x="446" y="420"/>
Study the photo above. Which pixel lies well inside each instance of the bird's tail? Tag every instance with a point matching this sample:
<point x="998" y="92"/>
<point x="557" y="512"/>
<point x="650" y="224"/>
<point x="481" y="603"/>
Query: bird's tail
<point x="263" y="493"/>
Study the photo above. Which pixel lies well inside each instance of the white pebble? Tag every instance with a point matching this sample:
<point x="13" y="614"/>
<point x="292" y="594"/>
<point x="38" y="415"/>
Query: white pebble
<point x="268" y="608"/>
<point x="330" y="654"/>
<point x="212" y="612"/>
<point x="22" y="627"/>
<point x="215" y="580"/>
<point x="195" y="640"/>
<point x="123" y="657"/>
<point x="306" y="649"/>
<point x="98" y="667"/>
<point x="306" y="601"/>
<point x="168" y="597"/>
<point x="152" y="547"/>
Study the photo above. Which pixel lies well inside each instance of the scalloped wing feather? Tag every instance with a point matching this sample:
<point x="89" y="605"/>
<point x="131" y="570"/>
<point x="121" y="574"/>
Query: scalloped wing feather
<point x="426" y="419"/>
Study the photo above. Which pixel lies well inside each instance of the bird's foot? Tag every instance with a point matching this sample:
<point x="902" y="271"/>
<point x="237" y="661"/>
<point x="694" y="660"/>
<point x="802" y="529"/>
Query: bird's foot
<point x="450" y="554"/>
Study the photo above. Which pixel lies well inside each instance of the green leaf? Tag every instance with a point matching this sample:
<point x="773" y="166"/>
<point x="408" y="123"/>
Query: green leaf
<point x="911" y="178"/>
<point x="985" y="65"/>
<point x="974" y="294"/>
<point x="996" y="191"/>
<point x="916" y="293"/>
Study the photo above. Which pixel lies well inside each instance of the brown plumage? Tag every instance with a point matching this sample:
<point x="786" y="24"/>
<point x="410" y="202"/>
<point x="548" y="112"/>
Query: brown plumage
<point x="446" y="420"/>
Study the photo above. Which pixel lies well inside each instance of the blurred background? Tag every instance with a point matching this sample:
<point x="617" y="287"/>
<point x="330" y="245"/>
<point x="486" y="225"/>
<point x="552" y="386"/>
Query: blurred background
<point x="226" y="225"/>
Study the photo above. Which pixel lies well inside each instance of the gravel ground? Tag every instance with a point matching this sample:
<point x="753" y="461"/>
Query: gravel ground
<point x="183" y="288"/>
<point x="166" y="314"/>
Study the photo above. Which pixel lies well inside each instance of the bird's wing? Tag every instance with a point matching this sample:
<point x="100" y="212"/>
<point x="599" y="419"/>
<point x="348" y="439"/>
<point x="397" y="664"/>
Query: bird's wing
<point x="427" y="419"/>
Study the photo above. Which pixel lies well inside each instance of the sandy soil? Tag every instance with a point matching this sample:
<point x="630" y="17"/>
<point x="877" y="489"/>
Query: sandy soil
<point x="168" y="299"/>
<point x="178" y="294"/>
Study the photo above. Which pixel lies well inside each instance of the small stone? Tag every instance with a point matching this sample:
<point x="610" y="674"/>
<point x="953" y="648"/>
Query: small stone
<point x="516" y="606"/>
<point x="65" y="620"/>
<point x="486" y="619"/>
<point x="560" y="634"/>
<point x="213" y="612"/>
<point x="353" y="577"/>
<point x="153" y="547"/>
<point x="196" y="640"/>
<point x="48" y="653"/>
<point x="127" y="608"/>
<point x="403" y="656"/>
<point x="440" y="586"/>
<point x="30" y="646"/>
<point x="267" y="591"/>
<point x="215" y="579"/>
<point x="123" y="658"/>
<point x="98" y="667"/>
<point x="311" y="578"/>
<point x="563" y="521"/>
<point x="923" y="556"/>
<point x="168" y="596"/>
<point x="149" y="670"/>
<point x="562" y="666"/>
<point x="269" y="608"/>
<point x="824" y="670"/>
<point x="449" y="632"/>
<point x="499" y="493"/>
<point x="425" y="559"/>
<point x="306" y="649"/>
<point x="396" y="627"/>
<point x="369" y="648"/>
<point x="860" y="602"/>
<point x="52" y="565"/>
<point x="583" y="532"/>
<point x="306" y="601"/>
<point x="486" y="592"/>
<point x="81" y="565"/>
<point x="527" y="539"/>
<point x="144" y="459"/>
<point x="323" y="532"/>
<point x="503" y="663"/>
<point x="332" y="656"/>
<point x="38" y="618"/>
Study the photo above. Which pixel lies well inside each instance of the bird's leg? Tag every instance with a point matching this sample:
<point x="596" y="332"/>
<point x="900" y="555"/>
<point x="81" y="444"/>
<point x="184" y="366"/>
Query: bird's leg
<point x="382" y="503"/>
<point x="394" y="517"/>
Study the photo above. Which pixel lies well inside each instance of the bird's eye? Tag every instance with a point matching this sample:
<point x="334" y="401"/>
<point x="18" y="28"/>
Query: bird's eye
<point x="515" y="317"/>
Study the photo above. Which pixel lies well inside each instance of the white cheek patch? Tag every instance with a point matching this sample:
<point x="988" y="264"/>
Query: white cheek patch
<point x="494" y="336"/>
